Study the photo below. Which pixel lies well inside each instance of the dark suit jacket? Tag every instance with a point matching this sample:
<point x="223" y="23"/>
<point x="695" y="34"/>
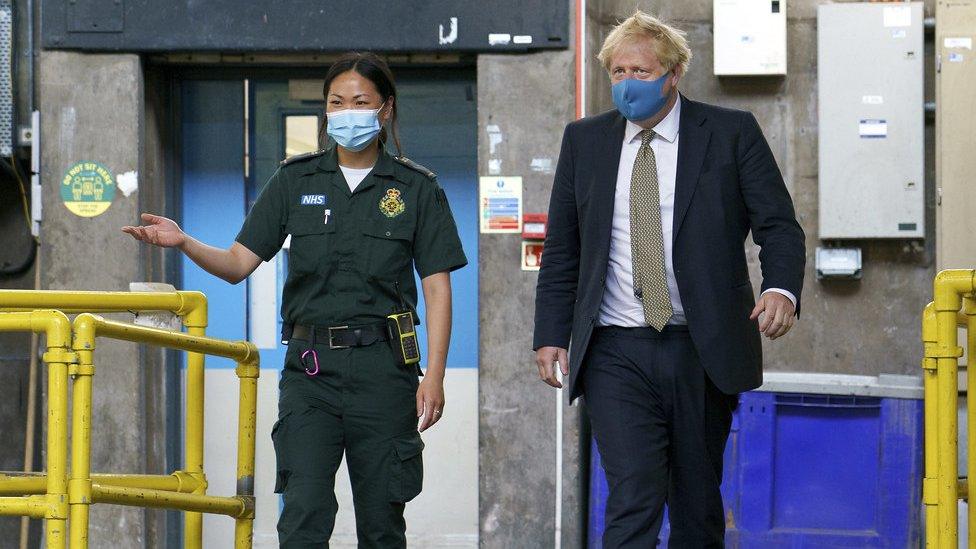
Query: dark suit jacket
<point x="727" y="184"/>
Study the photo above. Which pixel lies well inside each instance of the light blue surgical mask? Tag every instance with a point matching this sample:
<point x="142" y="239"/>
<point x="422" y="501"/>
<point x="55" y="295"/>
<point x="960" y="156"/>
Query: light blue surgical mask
<point x="354" y="129"/>
<point x="640" y="99"/>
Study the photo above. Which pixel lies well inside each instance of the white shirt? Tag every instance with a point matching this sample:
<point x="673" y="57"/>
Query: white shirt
<point x="354" y="176"/>
<point x="620" y="307"/>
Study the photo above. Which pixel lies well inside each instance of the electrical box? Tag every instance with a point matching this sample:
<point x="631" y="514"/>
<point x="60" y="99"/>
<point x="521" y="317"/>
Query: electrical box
<point x="871" y="120"/>
<point x="750" y="37"/>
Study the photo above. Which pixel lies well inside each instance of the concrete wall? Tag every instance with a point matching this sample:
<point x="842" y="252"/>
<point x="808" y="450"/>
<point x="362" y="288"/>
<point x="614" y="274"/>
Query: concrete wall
<point x="530" y="98"/>
<point x="91" y="109"/>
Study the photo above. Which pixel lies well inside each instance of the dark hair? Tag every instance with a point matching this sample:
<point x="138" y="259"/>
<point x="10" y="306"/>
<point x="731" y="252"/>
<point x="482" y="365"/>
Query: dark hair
<point x="371" y="67"/>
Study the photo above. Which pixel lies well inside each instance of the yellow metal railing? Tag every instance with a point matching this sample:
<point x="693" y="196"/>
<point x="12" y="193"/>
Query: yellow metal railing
<point x="56" y="496"/>
<point x="52" y="503"/>
<point x="954" y="307"/>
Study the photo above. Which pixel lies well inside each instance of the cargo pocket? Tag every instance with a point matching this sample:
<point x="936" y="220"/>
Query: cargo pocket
<point x="407" y="469"/>
<point x="282" y="468"/>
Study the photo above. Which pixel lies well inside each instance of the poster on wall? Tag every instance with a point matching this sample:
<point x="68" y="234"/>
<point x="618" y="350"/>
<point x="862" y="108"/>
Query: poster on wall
<point x="87" y="189"/>
<point x="531" y="255"/>
<point x="500" y="204"/>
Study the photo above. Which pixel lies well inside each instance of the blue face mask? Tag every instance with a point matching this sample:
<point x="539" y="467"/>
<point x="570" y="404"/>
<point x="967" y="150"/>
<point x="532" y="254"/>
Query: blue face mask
<point x="640" y="99"/>
<point x="354" y="129"/>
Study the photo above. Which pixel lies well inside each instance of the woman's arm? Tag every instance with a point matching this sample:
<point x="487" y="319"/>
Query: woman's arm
<point x="430" y="395"/>
<point x="233" y="265"/>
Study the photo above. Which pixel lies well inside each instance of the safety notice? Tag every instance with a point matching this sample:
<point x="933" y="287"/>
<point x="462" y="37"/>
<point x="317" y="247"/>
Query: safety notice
<point x="500" y="204"/>
<point x="87" y="189"/>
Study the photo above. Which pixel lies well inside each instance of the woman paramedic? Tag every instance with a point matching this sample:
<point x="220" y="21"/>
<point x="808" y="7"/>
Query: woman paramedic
<point x="359" y="218"/>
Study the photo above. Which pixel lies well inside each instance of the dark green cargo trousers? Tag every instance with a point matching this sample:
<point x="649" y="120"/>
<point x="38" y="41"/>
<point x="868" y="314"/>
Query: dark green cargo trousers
<point x="360" y="403"/>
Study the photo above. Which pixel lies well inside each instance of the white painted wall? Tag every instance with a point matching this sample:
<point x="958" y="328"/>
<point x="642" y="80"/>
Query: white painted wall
<point x="444" y="515"/>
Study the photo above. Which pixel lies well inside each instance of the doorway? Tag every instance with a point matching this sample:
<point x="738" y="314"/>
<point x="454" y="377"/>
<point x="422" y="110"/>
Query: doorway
<point x="234" y="130"/>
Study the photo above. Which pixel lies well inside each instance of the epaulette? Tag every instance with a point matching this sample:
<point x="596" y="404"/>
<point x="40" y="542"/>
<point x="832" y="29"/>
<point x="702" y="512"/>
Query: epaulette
<point x="415" y="167"/>
<point x="302" y="156"/>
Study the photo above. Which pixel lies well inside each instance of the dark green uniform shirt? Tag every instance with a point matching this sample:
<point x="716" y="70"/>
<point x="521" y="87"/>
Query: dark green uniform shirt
<point x="349" y="249"/>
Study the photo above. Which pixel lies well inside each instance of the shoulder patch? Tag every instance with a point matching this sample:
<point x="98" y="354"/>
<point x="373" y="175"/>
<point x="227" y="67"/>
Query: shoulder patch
<point x="415" y="167"/>
<point x="303" y="156"/>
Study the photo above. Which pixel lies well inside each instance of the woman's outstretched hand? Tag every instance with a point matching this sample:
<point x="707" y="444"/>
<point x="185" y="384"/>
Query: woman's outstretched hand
<point x="160" y="231"/>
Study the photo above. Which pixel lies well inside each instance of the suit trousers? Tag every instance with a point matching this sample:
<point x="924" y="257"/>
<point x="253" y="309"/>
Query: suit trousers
<point x="661" y="427"/>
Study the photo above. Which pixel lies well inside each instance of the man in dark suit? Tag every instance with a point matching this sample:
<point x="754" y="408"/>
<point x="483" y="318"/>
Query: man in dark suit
<point x="644" y="274"/>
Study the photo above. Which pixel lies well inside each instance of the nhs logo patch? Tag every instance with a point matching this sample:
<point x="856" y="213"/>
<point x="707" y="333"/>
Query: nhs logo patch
<point x="313" y="200"/>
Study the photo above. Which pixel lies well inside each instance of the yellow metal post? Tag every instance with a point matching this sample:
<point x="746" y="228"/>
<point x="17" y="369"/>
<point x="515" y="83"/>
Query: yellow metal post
<point x="949" y="286"/>
<point x="196" y="324"/>
<point x="56" y="359"/>
<point x="247" y="372"/>
<point x="969" y="309"/>
<point x="930" y="495"/>
<point x="79" y="487"/>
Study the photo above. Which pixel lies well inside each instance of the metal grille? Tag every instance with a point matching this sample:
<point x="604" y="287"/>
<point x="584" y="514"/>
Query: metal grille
<point x="6" y="85"/>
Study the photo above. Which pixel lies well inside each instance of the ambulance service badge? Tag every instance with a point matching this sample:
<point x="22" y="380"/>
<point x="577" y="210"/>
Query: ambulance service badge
<point x="392" y="204"/>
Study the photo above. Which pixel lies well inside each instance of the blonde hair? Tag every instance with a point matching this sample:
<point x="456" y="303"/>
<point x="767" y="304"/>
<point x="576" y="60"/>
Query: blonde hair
<point x="670" y="44"/>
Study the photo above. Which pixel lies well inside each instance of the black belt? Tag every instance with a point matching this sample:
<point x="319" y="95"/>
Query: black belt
<point x="341" y="337"/>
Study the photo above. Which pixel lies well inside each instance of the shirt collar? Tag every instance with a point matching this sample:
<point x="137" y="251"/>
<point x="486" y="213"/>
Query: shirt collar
<point x="667" y="128"/>
<point x="329" y="162"/>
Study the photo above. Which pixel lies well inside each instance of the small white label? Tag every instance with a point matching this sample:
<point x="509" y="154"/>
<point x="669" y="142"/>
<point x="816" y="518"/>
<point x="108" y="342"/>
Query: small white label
<point x="872" y="100"/>
<point x="522" y="39"/>
<point x="898" y="16"/>
<point x="499" y="39"/>
<point x="966" y="43"/>
<point x="543" y="165"/>
<point x="494" y="166"/>
<point x="955" y="57"/>
<point x="899" y="33"/>
<point x="873" y="129"/>
<point x="127" y="182"/>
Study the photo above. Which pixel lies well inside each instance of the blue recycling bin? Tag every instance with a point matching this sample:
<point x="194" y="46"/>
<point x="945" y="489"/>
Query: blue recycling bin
<point x="813" y="470"/>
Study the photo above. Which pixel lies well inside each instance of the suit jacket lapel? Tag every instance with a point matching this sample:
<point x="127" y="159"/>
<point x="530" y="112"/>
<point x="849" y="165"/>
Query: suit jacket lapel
<point x="693" y="139"/>
<point x="605" y="183"/>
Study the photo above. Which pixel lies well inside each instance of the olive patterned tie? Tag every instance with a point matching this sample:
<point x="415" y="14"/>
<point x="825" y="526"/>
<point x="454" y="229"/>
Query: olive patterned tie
<point x="647" y="239"/>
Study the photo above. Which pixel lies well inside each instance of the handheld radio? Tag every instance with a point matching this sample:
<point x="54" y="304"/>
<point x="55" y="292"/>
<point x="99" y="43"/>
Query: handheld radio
<point x="403" y="333"/>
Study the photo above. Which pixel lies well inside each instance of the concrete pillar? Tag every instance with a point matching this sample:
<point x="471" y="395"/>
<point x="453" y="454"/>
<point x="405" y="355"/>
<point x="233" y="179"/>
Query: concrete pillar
<point x="530" y="99"/>
<point x="91" y="110"/>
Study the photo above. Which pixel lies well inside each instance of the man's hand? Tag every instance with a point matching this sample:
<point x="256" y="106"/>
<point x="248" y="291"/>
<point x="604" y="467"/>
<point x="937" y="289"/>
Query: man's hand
<point x="779" y="314"/>
<point x="546" y="358"/>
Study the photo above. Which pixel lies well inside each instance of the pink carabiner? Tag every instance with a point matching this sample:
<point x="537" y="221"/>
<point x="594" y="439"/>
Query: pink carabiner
<point x="315" y="360"/>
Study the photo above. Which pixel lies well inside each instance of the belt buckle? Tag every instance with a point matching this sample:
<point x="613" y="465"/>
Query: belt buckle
<point x="332" y="345"/>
